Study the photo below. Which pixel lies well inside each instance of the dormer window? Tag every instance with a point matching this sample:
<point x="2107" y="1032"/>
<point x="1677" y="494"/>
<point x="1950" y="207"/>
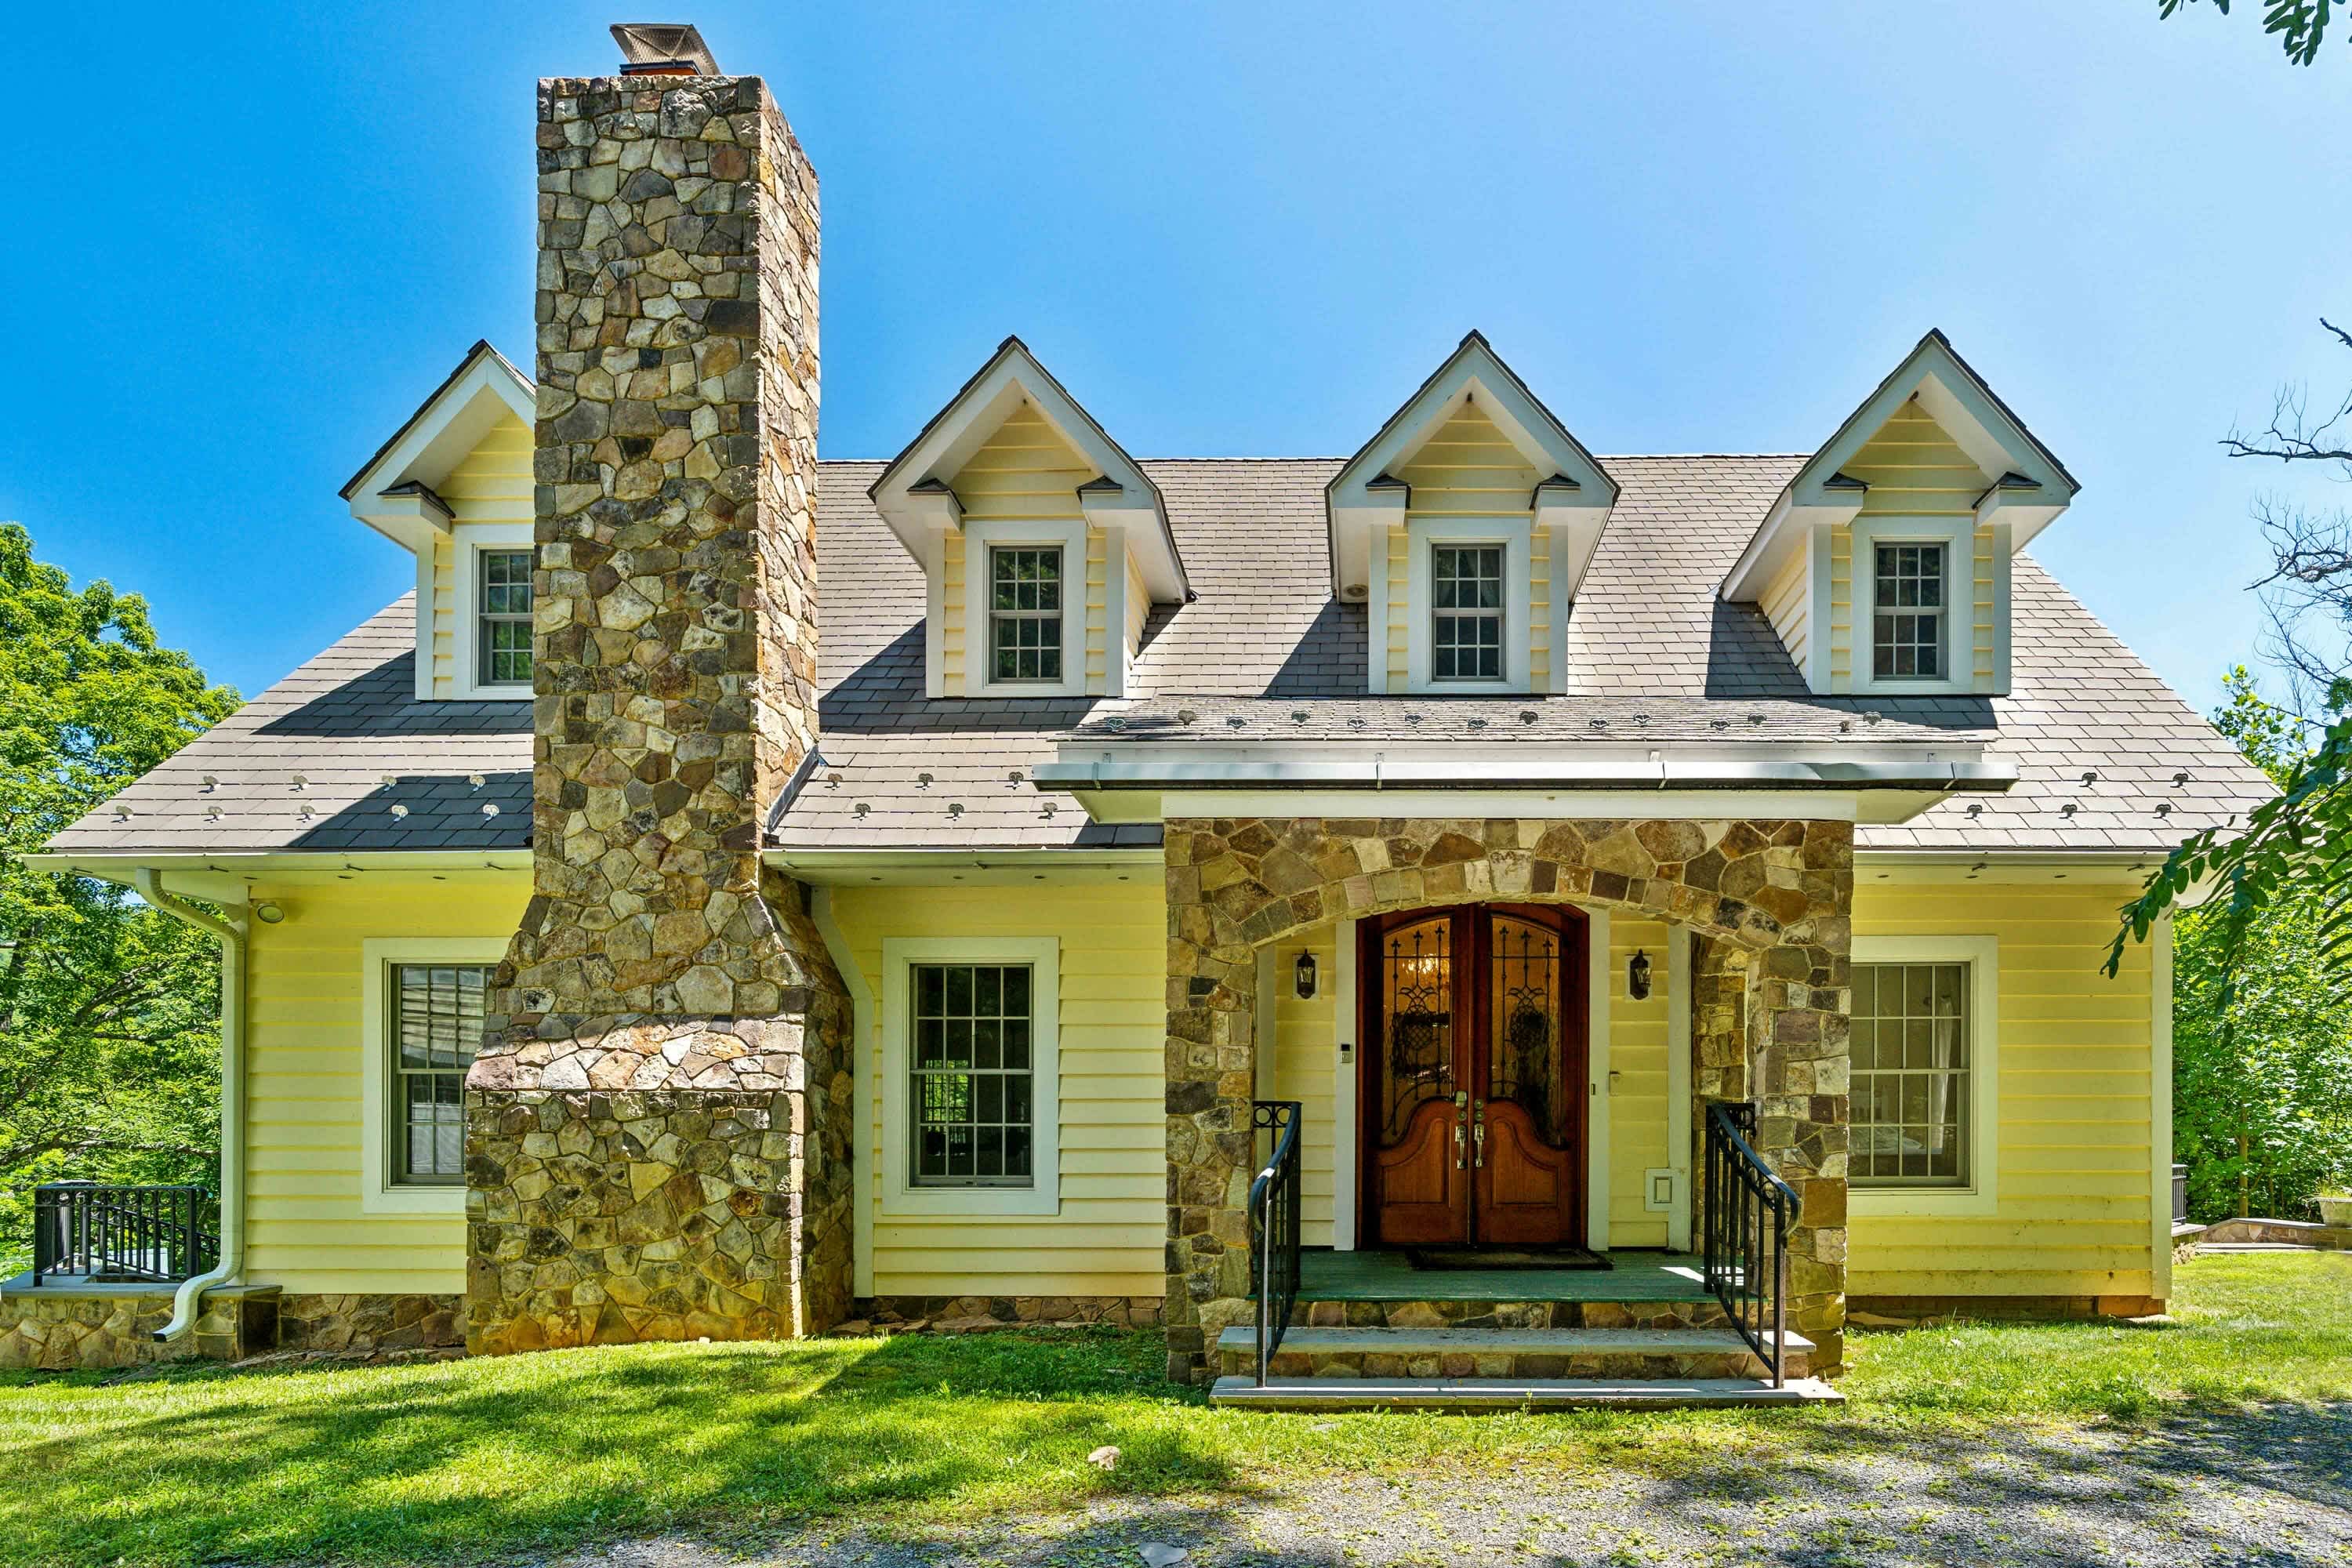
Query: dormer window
<point x="503" y="634"/>
<point x="1465" y="588"/>
<point x="1907" y="604"/>
<point x="1025" y="614"/>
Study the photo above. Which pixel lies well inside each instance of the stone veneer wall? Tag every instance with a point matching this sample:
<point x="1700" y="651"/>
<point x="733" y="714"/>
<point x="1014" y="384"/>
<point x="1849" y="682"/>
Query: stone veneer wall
<point x="58" y="1328"/>
<point x="314" y="1321"/>
<point x="659" y="1119"/>
<point x="1772" y="899"/>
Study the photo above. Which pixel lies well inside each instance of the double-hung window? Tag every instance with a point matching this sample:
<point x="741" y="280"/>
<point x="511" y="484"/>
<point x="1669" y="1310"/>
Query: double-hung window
<point x="435" y="1025"/>
<point x="503" y="625"/>
<point x="1025" y="613"/>
<point x="1913" y="1099"/>
<point x="972" y="1066"/>
<point x="1466" y="597"/>
<point x="1907" y="612"/>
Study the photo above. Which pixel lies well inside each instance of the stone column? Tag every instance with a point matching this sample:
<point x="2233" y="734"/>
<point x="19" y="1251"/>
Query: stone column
<point x="1774" y="1024"/>
<point x="657" y="1122"/>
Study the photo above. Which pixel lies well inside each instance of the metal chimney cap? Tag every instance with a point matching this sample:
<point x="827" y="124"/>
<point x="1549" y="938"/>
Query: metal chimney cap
<point x="663" y="48"/>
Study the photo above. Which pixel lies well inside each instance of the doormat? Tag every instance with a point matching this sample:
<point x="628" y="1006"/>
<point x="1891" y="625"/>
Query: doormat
<point x="1471" y="1258"/>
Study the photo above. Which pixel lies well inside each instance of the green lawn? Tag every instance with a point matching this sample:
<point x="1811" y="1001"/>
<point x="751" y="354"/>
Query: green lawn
<point x="469" y="1460"/>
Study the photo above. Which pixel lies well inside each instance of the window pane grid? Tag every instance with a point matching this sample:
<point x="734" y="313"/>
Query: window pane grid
<point x="436" y="1024"/>
<point x="505" y="612"/>
<point x="972" y="1074"/>
<point x="1911" y="1075"/>
<point x="1466" y="595"/>
<point x="1024" y="614"/>
<point x="1907" y="612"/>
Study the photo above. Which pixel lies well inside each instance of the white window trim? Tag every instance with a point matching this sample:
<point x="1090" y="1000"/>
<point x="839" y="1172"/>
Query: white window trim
<point x="1070" y="536"/>
<point x="900" y="1195"/>
<point x="1957" y="536"/>
<point x="379" y="1194"/>
<point x="467" y="540"/>
<point x="1982" y="1195"/>
<point x="1423" y="536"/>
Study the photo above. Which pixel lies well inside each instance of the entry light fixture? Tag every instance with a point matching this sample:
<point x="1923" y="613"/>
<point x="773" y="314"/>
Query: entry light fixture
<point x="267" y="913"/>
<point x="1637" y="977"/>
<point x="1303" y="974"/>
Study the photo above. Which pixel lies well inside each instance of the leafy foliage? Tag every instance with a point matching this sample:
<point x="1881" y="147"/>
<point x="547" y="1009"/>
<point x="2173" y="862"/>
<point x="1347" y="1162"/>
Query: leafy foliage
<point x="2262" y="1021"/>
<point x="2300" y="25"/>
<point x="108" y="1036"/>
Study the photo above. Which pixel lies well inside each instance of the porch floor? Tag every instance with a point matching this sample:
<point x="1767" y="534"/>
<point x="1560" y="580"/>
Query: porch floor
<point x="1377" y="1276"/>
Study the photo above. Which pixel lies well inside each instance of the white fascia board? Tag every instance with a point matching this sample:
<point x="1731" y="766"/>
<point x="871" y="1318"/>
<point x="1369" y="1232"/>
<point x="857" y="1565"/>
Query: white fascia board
<point x="1352" y="529"/>
<point x="1024" y="864"/>
<point x="1524" y="766"/>
<point x="1864" y="808"/>
<point x="1792" y="517"/>
<point x="1959" y="400"/>
<point x="908" y="500"/>
<point x="216" y="877"/>
<point x="440" y="436"/>
<point x="1355" y="500"/>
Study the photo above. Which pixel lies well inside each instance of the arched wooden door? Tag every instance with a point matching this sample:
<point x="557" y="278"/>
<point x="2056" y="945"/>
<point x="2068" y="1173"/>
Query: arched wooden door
<point x="1472" y="1093"/>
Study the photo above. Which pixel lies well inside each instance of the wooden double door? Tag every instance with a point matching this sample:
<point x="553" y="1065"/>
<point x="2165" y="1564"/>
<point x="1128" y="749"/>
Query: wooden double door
<point x="1473" y="1090"/>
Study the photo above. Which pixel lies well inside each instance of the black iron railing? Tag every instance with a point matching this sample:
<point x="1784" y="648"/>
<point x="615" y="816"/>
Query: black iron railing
<point x="1273" y="1224"/>
<point x="1747" y="1214"/>
<point x="82" y="1230"/>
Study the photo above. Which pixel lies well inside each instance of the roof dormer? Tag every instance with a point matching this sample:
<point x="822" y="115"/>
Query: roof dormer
<point x="1465" y="526"/>
<point x="1884" y="564"/>
<point x="453" y="487"/>
<point x="1043" y="543"/>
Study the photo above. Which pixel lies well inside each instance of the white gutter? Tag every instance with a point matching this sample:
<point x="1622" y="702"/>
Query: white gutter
<point x="1196" y="768"/>
<point x="150" y="884"/>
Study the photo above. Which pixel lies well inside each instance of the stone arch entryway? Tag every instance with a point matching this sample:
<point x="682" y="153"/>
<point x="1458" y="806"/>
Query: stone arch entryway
<point x="1768" y="902"/>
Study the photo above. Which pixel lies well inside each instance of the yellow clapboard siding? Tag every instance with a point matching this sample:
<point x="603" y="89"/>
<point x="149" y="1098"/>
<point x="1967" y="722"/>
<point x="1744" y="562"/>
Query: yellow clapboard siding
<point x="1112" y="1025"/>
<point x="1024" y="470"/>
<point x="1399" y="609"/>
<point x="1788" y="604"/>
<point x="1637" y="1097"/>
<point x="2074" y="1177"/>
<point x="306" y="1229"/>
<point x="1469" y="466"/>
<point x="1914" y="468"/>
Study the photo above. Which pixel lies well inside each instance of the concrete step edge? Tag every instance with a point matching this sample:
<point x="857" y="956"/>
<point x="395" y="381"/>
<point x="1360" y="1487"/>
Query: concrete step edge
<point x="1510" y="1394"/>
<point x="1570" y="1342"/>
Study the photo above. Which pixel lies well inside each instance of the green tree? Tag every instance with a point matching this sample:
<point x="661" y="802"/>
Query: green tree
<point x="109" y="1034"/>
<point x="2299" y="24"/>
<point x="2262" y="1064"/>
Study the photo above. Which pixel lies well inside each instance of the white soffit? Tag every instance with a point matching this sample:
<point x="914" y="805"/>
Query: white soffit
<point x="394" y="492"/>
<point x="913" y="497"/>
<point x="2026" y="485"/>
<point x="1573" y="499"/>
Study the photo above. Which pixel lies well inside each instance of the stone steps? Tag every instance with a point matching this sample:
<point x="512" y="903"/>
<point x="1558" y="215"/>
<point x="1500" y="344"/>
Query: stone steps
<point x="1469" y="1393"/>
<point x="1441" y="1313"/>
<point x="1524" y="1355"/>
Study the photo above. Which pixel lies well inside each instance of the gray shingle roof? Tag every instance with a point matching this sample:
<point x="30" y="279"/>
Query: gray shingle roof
<point x="1647" y="640"/>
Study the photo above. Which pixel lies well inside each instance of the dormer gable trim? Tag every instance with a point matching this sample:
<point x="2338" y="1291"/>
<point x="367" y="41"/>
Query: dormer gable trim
<point x="2033" y="485"/>
<point x="394" y="492"/>
<point x="1366" y="494"/>
<point x="915" y="500"/>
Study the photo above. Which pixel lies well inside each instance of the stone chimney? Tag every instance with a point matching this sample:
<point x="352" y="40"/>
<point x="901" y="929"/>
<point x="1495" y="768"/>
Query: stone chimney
<point x="657" y="1122"/>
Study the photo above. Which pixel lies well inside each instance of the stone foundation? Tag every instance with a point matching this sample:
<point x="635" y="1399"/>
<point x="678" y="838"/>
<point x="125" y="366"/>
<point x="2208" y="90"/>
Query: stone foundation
<point x="66" y="1327"/>
<point x="964" y="1314"/>
<point x="1911" y="1311"/>
<point x="373" y="1322"/>
<point x="1770" y="901"/>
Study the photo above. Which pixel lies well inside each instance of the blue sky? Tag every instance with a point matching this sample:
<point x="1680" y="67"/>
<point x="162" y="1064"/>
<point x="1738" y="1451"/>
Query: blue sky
<point x="242" y="253"/>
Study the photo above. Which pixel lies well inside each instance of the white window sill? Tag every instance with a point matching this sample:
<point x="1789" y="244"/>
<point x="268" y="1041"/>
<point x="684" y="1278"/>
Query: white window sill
<point x="975" y="1202"/>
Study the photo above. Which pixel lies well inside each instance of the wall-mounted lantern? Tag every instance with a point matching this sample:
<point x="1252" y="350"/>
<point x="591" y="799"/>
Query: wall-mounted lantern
<point x="1637" y="977"/>
<point x="1302" y="972"/>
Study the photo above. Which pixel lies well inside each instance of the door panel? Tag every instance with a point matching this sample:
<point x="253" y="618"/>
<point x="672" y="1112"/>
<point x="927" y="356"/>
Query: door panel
<point x="1474" y="1095"/>
<point x="1414" y="1170"/>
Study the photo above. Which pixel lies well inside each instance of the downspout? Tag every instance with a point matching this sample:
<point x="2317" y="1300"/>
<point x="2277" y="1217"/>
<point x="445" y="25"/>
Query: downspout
<point x="232" y="1028"/>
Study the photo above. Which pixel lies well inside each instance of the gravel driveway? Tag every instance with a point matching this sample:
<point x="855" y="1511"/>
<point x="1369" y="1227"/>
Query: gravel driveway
<point x="2273" y="1487"/>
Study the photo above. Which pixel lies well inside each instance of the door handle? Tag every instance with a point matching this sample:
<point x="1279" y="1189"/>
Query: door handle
<point x="1479" y="1136"/>
<point x="1458" y="1146"/>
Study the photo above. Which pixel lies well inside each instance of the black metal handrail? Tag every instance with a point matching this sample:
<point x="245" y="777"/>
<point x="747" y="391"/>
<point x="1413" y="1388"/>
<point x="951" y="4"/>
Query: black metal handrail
<point x="163" y="1234"/>
<point x="1273" y="1224"/>
<point x="1747" y="1214"/>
